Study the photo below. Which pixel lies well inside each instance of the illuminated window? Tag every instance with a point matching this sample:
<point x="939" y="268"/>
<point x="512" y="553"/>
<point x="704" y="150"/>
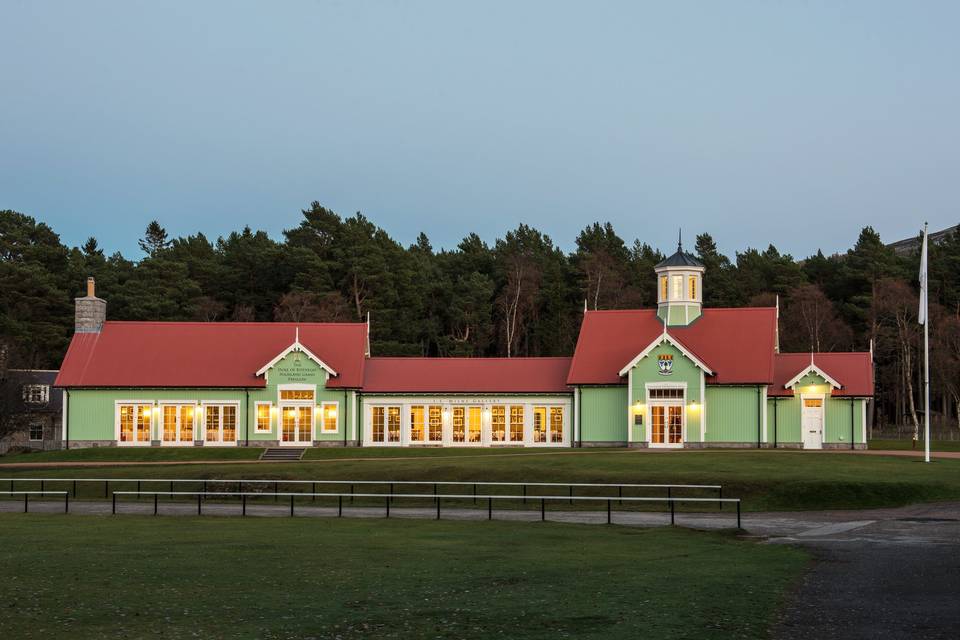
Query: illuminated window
<point x="657" y="423"/>
<point x="556" y="424"/>
<point x="177" y="423"/>
<point x="328" y="417"/>
<point x="393" y="424"/>
<point x="264" y="423"/>
<point x="134" y="421"/>
<point x="516" y="423"/>
<point x="663" y="287"/>
<point x="435" y="433"/>
<point x="539" y="424"/>
<point x="675" y="424"/>
<point x="296" y="394"/>
<point x="378" y="423"/>
<point x="475" y="424"/>
<point x="416" y="423"/>
<point x="498" y="423"/>
<point x="693" y="287"/>
<point x="221" y="423"/>
<point x="677" y="288"/>
<point x="459" y="422"/>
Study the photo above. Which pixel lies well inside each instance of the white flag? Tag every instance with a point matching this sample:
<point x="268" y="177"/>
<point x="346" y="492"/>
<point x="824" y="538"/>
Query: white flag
<point x="922" y="314"/>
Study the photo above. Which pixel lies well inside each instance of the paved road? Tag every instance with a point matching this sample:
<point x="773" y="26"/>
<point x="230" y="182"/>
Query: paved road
<point x="880" y="574"/>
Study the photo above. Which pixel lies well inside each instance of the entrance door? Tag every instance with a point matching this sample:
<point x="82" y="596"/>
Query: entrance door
<point x="812" y="423"/>
<point x="296" y="425"/>
<point x="666" y="424"/>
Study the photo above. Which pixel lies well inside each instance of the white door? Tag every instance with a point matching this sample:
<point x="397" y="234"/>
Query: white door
<point x="296" y="425"/>
<point x="811" y="423"/>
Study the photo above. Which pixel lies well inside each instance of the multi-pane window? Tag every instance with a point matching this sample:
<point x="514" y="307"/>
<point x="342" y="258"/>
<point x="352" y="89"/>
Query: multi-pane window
<point x="475" y="426"/>
<point x="435" y="427"/>
<point x="221" y="423"/>
<point x="177" y="423"/>
<point x="556" y="424"/>
<point x="667" y="393"/>
<point x="36" y="431"/>
<point x="264" y="423"/>
<point x="498" y="423"/>
<point x="393" y="424"/>
<point x="296" y="394"/>
<point x="135" y="421"/>
<point x="416" y="423"/>
<point x="36" y="393"/>
<point x="329" y="417"/>
<point x="459" y="424"/>
<point x="663" y="287"/>
<point x="516" y="423"/>
<point x="693" y="287"/>
<point x="378" y="422"/>
<point x="677" y="288"/>
<point x="539" y="424"/>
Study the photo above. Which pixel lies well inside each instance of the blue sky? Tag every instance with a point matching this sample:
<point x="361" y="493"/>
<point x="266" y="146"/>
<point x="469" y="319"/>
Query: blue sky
<point x="795" y="123"/>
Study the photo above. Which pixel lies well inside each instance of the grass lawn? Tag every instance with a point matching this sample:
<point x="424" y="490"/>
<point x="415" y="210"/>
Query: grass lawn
<point x="142" y="577"/>
<point x="907" y="445"/>
<point x="766" y="480"/>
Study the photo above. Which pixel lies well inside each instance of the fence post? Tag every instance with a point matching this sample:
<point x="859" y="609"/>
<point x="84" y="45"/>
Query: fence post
<point x="114" y="504"/>
<point x="608" y="511"/>
<point x="171" y="486"/>
<point x="474" y="493"/>
<point x="291" y="505"/>
<point x="66" y="502"/>
<point x="156" y="501"/>
<point x="138" y="488"/>
<point x="313" y="490"/>
<point x="438" y="508"/>
<point x="276" y="498"/>
<point x="243" y="498"/>
<point x="41" y="486"/>
<point x="620" y="495"/>
<point x="26" y="502"/>
<point x="671" y="514"/>
<point x="388" y="506"/>
<point x="524" y="494"/>
<point x="340" y="506"/>
<point x="489" y="508"/>
<point x="199" y="504"/>
<point x="543" y="509"/>
<point x="738" y="514"/>
<point x="571" y="494"/>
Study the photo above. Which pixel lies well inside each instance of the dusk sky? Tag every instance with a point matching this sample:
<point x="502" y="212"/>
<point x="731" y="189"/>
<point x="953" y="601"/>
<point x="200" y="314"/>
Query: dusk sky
<point x="795" y="123"/>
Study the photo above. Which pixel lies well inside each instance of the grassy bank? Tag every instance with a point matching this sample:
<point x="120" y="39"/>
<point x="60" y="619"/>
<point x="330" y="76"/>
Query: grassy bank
<point x="766" y="480"/>
<point x="278" y="578"/>
<point x="907" y="445"/>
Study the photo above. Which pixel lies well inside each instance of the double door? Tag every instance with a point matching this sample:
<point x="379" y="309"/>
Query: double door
<point x="666" y="424"/>
<point x="296" y="424"/>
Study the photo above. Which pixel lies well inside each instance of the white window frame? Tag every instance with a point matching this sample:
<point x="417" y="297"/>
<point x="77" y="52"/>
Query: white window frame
<point x="256" y="417"/>
<point x="159" y="426"/>
<point x="35" y="424"/>
<point x="43" y="393"/>
<point x="116" y="422"/>
<point x="203" y="413"/>
<point x="682" y="402"/>
<point x="323" y="415"/>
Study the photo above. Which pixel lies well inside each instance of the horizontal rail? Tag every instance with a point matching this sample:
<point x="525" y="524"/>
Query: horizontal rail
<point x="434" y="497"/>
<point x="396" y="482"/>
<point x="26" y="497"/>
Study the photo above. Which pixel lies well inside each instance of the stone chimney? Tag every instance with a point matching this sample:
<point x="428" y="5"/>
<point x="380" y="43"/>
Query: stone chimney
<point x="90" y="311"/>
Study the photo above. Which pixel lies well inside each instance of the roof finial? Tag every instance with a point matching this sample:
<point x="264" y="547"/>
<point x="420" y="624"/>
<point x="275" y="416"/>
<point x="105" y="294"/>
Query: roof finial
<point x="680" y="240"/>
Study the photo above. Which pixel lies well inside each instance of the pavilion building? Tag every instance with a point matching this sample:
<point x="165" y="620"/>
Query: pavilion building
<point x="680" y="375"/>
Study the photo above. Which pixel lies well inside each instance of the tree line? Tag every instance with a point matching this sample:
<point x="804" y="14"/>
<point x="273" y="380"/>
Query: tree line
<point x="520" y="296"/>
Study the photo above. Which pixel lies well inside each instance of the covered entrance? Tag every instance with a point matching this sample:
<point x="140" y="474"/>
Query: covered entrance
<point x="666" y="417"/>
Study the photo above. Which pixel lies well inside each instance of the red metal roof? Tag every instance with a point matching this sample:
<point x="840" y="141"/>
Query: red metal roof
<point x="466" y="375"/>
<point x="205" y="354"/>
<point x="853" y="371"/>
<point x="737" y="344"/>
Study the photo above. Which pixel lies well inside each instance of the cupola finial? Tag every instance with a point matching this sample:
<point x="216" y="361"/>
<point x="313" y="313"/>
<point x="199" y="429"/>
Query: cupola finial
<point x="680" y="240"/>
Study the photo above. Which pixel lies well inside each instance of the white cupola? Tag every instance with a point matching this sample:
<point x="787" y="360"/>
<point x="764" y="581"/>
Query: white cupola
<point x="679" y="288"/>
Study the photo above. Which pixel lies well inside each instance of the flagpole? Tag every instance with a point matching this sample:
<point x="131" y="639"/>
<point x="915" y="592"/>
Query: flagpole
<point x="926" y="355"/>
